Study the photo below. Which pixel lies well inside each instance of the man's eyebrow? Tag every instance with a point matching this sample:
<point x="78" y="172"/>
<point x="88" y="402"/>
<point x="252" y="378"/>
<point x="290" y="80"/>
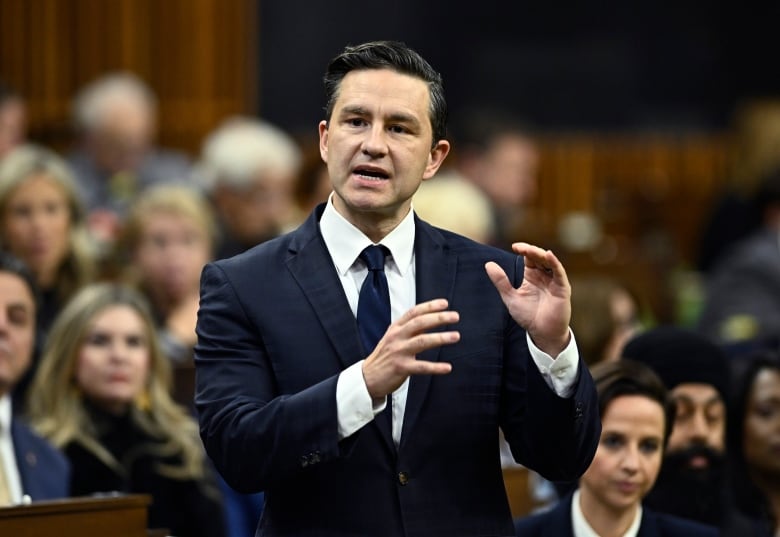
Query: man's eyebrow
<point x="356" y="110"/>
<point x="690" y="400"/>
<point x="399" y="117"/>
<point x="395" y="117"/>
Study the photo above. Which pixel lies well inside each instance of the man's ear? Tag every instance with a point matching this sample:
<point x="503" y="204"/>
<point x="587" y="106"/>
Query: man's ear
<point x="435" y="158"/>
<point x="323" y="128"/>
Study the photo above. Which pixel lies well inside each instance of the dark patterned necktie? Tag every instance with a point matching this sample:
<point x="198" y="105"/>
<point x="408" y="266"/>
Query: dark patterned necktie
<point x="373" y="312"/>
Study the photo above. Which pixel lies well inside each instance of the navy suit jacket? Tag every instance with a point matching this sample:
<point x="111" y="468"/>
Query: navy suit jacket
<point x="557" y="523"/>
<point x="274" y="332"/>
<point x="44" y="471"/>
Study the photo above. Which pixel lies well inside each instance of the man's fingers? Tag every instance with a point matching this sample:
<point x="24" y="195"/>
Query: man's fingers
<point x="422" y="367"/>
<point x="498" y="277"/>
<point x="437" y="304"/>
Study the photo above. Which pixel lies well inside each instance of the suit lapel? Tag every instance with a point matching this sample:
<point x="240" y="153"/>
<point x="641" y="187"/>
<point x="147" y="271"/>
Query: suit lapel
<point x="436" y="268"/>
<point x="312" y="267"/>
<point x="648" y="527"/>
<point x="558" y="521"/>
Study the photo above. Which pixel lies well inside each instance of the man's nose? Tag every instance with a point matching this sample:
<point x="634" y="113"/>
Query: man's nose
<point x="375" y="142"/>
<point x="699" y="428"/>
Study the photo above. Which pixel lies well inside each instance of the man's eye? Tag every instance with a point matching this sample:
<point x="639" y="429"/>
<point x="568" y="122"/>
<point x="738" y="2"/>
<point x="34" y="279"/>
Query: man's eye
<point x="356" y="122"/>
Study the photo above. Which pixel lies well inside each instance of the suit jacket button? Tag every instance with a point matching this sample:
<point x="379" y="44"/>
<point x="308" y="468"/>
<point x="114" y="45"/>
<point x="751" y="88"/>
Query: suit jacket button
<point x="304" y="461"/>
<point x="403" y="478"/>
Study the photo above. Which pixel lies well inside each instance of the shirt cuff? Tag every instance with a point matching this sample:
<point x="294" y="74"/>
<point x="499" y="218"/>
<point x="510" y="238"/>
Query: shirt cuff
<point x="559" y="373"/>
<point x="354" y="405"/>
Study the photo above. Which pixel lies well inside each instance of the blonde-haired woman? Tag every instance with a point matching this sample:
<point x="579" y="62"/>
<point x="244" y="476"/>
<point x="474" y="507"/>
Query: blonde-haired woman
<point x="102" y="396"/>
<point x="168" y="236"/>
<point x="42" y="223"/>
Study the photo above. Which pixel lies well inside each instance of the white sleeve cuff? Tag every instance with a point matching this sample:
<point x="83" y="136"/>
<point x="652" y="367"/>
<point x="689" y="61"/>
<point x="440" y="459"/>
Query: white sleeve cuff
<point x="353" y="402"/>
<point x="559" y="373"/>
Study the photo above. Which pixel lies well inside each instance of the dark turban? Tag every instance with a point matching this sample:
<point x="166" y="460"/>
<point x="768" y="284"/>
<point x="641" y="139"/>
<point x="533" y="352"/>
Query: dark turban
<point x="681" y="356"/>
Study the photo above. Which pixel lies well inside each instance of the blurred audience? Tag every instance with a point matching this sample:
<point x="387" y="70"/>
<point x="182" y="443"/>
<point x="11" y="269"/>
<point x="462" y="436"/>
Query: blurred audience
<point x="742" y="288"/>
<point x="249" y="168"/>
<point x="116" y="120"/>
<point x="605" y="315"/>
<point x="168" y="237"/>
<point x="754" y="441"/>
<point x="29" y="466"/>
<point x="313" y="185"/>
<point x="694" y="481"/>
<point x="13" y="119"/>
<point x="636" y="418"/>
<point x="42" y="223"/>
<point x="755" y="153"/>
<point x="102" y="396"/>
<point x="449" y="201"/>
<point x="499" y="155"/>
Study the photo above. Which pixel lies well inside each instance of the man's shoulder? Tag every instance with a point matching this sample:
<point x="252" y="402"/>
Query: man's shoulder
<point x="26" y="440"/>
<point x="272" y="253"/>
<point x="460" y="244"/>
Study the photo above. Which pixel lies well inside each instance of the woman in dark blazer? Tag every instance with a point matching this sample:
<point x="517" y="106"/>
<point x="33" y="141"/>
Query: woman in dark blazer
<point x="636" y="418"/>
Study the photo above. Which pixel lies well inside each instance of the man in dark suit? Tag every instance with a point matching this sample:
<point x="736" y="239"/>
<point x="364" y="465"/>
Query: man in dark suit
<point x="30" y="468"/>
<point x="399" y="436"/>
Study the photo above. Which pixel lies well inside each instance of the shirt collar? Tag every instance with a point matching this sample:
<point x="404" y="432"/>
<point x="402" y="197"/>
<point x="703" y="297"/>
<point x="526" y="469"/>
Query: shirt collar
<point x="5" y="414"/>
<point x="583" y="529"/>
<point x="345" y="241"/>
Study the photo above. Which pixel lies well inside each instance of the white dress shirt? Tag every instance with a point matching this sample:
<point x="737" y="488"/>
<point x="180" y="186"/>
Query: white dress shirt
<point x="7" y="456"/>
<point x="582" y="528"/>
<point x="345" y="242"/>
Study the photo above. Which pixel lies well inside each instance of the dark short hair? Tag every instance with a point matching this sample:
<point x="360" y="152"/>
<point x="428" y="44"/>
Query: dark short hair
<point x="388" y="55"/>
<point x="627" y="377"/>
<point x="13" y="265"/>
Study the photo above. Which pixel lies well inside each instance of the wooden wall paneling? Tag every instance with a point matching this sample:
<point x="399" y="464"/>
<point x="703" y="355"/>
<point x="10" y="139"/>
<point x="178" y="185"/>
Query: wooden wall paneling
<point x="199" y="56"/>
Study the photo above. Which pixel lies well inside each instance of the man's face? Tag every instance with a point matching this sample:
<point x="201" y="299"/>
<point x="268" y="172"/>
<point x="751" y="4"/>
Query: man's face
<point x="378" y="146"/>
<point x="121" y="141"/>
<point x="17" y="329"/>
<point x="700" y="420"/>
<point x="509" y="171"/>
<point x="260" y="211"/>
<point x="13" y="124"/>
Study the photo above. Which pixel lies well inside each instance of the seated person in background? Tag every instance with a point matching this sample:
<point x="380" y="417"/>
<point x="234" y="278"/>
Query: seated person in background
<point x="450" y="202"/>
<point x="636" y="417"/>
<point x="753" y="442"/>
<point x="743" y="285"/>
<point x="169" y="235"/>
<point x="499" y="154"/>
<point x="116" y="120"/>
<point x="605" y="315"/>
<point x="29" y="465"/>
<point x="13" y="119"/>
<point x="693" y="482"/>
<point x="42" y="223"/>
<point x="102" y="396"/>
<point x="249" y="169"/>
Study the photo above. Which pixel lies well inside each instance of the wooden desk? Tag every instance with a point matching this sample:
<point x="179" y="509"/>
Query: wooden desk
<point x="117" y="516"/>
